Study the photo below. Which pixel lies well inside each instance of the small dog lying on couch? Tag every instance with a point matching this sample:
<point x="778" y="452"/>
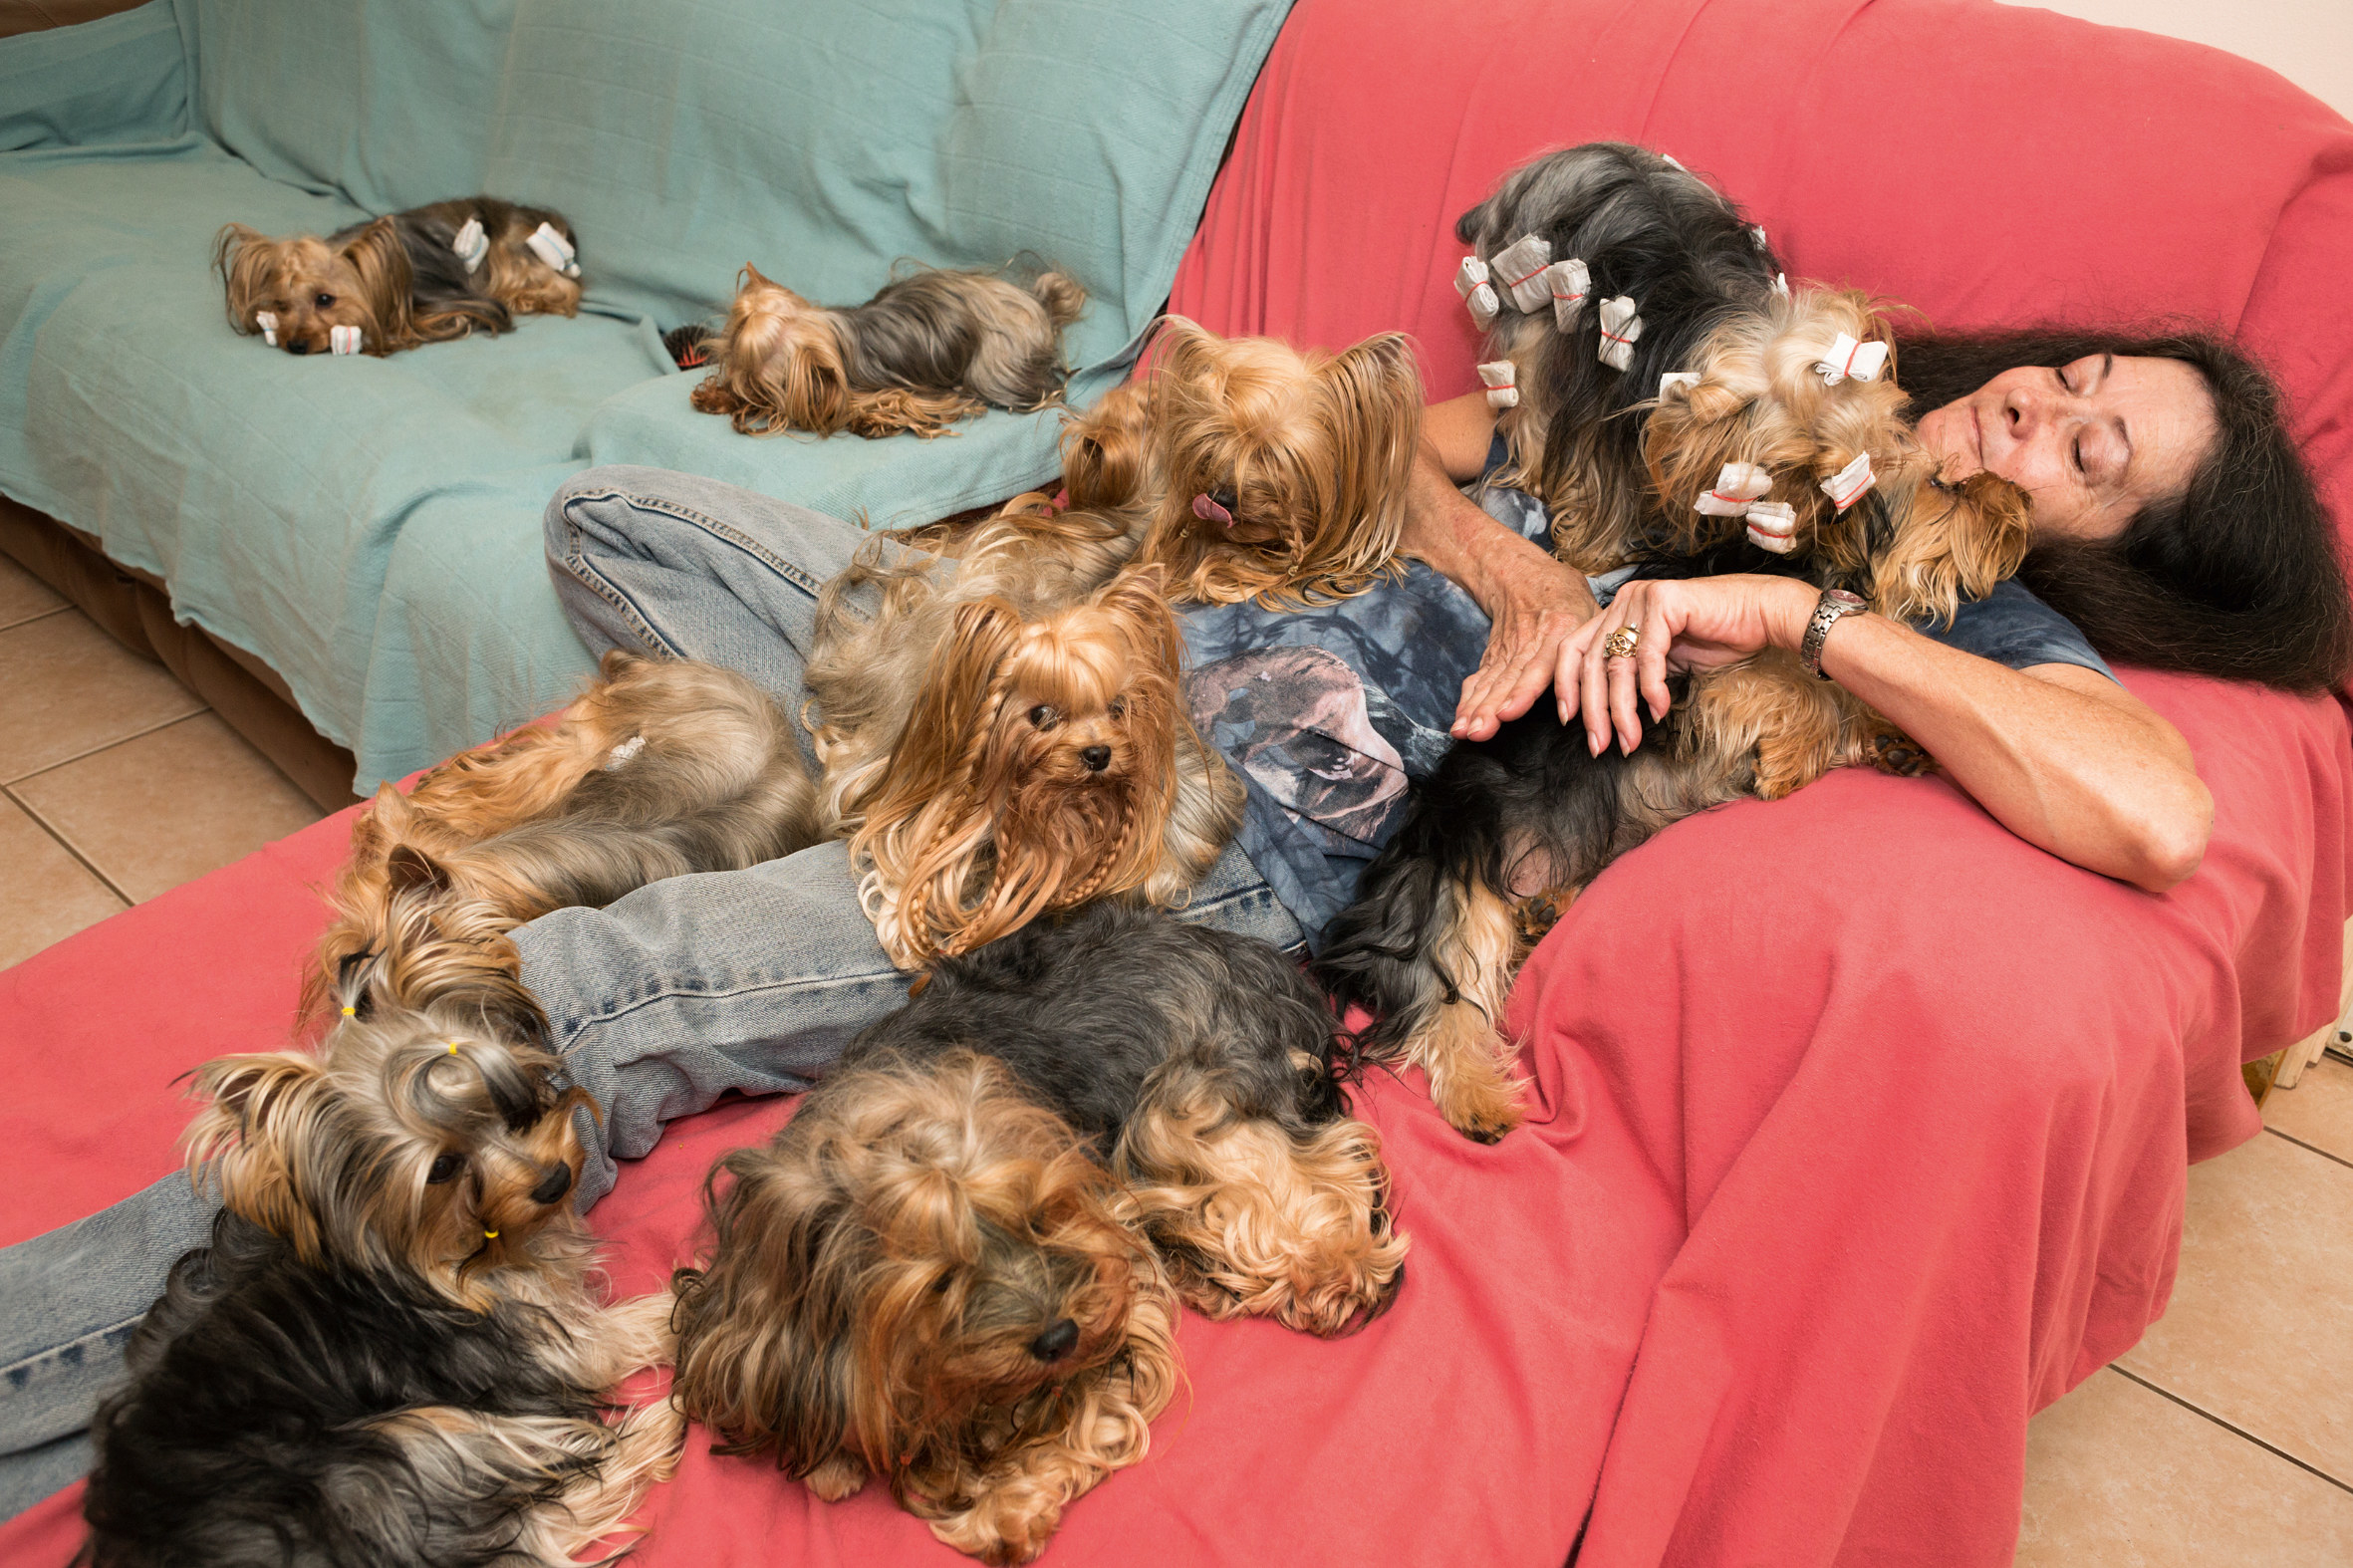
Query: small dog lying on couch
<point x="955" y="1269"/>
<point x="933" y="347"/>
<point x="422" y="276"/>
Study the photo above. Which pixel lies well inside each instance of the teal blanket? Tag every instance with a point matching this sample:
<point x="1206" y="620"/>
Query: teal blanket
<point x="371" y="528"/>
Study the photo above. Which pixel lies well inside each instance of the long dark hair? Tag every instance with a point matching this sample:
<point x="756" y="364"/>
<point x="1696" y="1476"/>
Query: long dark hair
<point x="2238" y="576"/>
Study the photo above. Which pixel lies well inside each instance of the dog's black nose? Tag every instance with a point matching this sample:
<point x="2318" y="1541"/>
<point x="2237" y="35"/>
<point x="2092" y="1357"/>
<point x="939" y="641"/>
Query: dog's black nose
<point x="553" y="1185"/>
<point x="1056" y="1342"/>
<point x="1097" y="758"/>
<point x="297" y="346"/>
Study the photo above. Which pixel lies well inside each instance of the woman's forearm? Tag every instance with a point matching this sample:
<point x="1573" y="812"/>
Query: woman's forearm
<point x="2063" y="758"/>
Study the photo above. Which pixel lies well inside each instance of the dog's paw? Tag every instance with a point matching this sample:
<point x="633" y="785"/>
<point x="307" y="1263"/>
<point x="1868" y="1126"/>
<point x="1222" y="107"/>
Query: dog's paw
<point x="1892" y="751"/>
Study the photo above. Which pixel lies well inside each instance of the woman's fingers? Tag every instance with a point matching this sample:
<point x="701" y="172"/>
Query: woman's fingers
<point x="1569" y="667"/>
<point x="1658" y="638"/>
<point x="1594" y="678"/>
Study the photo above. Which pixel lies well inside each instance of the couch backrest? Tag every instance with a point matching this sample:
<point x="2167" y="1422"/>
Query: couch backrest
<point x="821" y="141"/>
<point x="1987" y="163"/>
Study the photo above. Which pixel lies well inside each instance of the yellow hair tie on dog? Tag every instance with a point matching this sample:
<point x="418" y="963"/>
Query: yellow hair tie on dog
<point x="490" y="1235"/>
<point x="351" y="1012"/>
<point x="453" y="1048"/>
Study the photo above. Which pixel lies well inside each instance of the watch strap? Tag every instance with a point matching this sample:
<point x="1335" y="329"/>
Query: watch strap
<point x="1835" y="605"/>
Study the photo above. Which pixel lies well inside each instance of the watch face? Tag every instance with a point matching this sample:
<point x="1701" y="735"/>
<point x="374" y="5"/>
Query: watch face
<point x="1841" y="596"/>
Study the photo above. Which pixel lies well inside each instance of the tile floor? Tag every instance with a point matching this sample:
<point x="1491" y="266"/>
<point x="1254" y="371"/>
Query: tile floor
<point x="116" y="782"/>
<point x="2224" y="1437"/>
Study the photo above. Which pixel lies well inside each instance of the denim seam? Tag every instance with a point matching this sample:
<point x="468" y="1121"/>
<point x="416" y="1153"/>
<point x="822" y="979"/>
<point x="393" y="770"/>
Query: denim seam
<point x="53" y="1352"/>
<point x="577" y="562"/>
<point x="717" y="530"/>
<point x="1258" y="895"/>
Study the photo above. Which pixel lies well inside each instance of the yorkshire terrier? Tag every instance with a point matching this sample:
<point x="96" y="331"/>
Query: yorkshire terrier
<point x="1263" y="472"/>
<point x="1508" y="832"/>
<point x="1666" y="391"/>
<point x="1003" y="734"/>
<point x="933" y="348"/>
<point x="422" y="276"/>
<point x="932" y="1274"/>
<point x="1660" y="386"/>
<point x="392" y="1352"/>
<point x="660" y="769"/>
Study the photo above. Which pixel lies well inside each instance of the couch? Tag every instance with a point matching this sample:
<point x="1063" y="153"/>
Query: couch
<point x="365" y="528"/>
<point x="1829" y="1181"/>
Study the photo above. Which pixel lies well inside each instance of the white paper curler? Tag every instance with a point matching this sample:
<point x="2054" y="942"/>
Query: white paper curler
<point x="1846" y="486"/>
<point x="1503" y="382"/>
<point x="267" y="321"/>
<point x="1674" y="378"/>
<point x="1619" y="325"/>
<point x="1738" y="487"/>
<point x="1567" y="282"/>
<point x="1781" y="284"/>
<point x="1519" y="267"/>
<point x="1756" y="236"/>
<point x="1772" y="525"/>
<point x="1862" y="360"/>
<point x="470" y="245"/>
<point x="1478" y="295"/>
<point x="620" y="756"/>
<point x="344" y="340"/>
<point x="553" y="249"/>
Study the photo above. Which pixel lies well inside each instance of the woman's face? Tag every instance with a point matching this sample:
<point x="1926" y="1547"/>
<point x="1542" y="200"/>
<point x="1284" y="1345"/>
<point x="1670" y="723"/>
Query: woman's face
<point x="2091" y="442"/>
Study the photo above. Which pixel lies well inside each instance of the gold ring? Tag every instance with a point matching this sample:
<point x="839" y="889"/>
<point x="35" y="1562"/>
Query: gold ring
<point x="1622" y="643"/>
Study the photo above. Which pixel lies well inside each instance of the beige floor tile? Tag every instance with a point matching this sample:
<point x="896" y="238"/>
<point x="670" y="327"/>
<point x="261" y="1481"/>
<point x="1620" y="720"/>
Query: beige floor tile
<point x="2260" y="1329"/>
<point x="47" y="895"/>
<point x="2318" y="1110"/>
<point x="66" y="687"/>
<point x="169" y="806"/>
<point x="22" y="594"/>
<point x="2119" y="1477"/>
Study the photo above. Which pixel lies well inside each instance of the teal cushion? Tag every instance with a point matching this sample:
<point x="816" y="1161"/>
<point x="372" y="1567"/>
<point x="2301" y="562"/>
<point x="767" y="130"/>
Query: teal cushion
<point x="372" y="528"/>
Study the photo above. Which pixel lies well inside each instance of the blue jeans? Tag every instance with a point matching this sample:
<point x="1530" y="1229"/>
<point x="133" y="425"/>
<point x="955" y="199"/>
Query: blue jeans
<point x="748" y="980"/>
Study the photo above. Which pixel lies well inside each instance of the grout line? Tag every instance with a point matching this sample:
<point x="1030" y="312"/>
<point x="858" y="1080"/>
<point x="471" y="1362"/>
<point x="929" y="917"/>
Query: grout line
<point x="82" y="756"/>
<point x="2315" y="1147"/>
<point x="2231" y="1427"/>
<point x="66" y="845"/>
<point x="41" y="614"/>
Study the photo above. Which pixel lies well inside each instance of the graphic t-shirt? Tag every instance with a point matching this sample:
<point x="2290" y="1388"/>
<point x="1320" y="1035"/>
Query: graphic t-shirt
<point x="1328" y="713"/>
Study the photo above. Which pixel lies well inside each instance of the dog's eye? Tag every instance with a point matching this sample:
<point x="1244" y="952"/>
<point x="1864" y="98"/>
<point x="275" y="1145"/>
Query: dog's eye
<point x="324" y="301"/>
<point x="445" y="1168"/>
<point x="939" y="1286"/>
<point x="1042" y="716"/>
<point x="1119" y="707"/>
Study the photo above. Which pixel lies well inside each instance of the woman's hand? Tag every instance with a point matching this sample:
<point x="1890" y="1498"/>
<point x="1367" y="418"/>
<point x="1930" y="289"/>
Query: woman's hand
<point x="1681" y="625"/>
<point x="1536" y="604"/>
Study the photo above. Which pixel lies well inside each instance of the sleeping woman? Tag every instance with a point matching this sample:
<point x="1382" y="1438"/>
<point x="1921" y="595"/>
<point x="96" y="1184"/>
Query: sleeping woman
<point x="2175" y="526"/>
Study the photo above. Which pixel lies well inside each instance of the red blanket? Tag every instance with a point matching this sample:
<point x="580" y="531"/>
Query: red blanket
<point x="1859" y="1125"/>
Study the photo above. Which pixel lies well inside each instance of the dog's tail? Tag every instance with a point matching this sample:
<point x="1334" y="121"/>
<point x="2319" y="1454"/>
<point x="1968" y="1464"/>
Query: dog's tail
<point x="1063" y="296"/>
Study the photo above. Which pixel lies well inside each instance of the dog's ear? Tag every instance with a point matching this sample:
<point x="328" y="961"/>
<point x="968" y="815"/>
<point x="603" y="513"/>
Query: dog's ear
<point x="1138" y="600"/>
<point x="386" y="285"/>
<point x="244" y="258"/>
<point x="1371" y="414"/>
<point x="961" y="687"/>
<point x="813" y="389"/>
<point x="1106" y="452"/>
<point x="765" y="1333"/>
<point x="1949" y="548"/>
<point x="261" y="1103"/>
<point x="352" y="976"/>
<point x="409" y="868"/>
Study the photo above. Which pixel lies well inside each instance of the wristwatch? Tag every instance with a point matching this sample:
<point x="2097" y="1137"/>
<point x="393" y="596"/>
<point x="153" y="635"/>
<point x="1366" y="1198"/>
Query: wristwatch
<point x="1837" y="604"/>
